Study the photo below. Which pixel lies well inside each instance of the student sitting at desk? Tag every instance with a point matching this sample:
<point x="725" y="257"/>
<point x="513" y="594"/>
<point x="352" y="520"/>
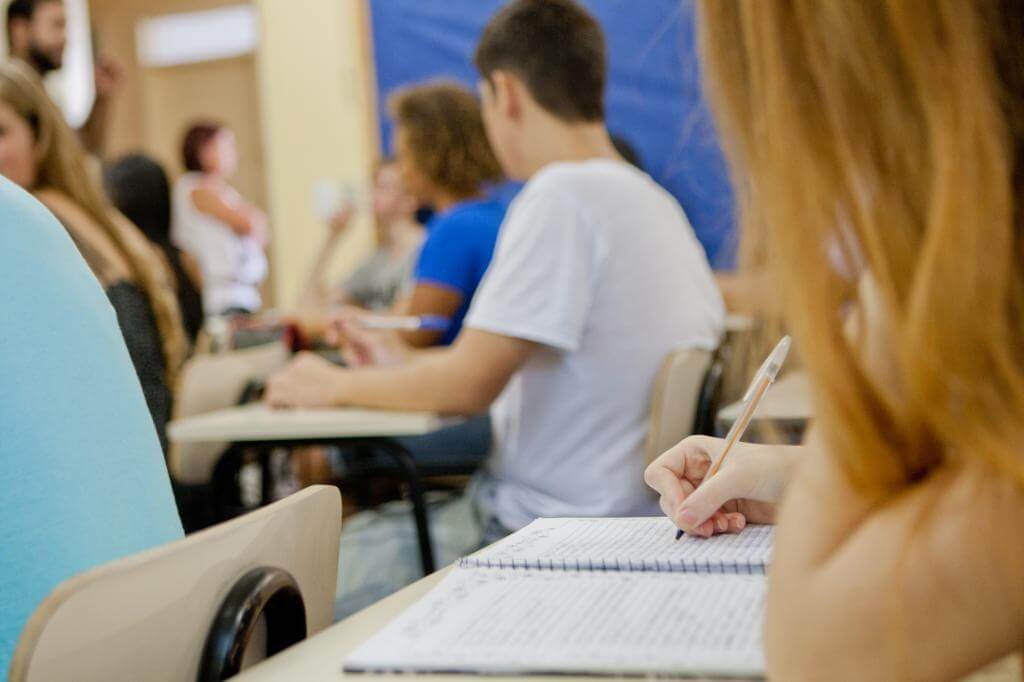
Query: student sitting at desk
<point x="446" y="163"/>
<point x="570" y="326"/>
<point x="138" y="187"/>
<point x="898" y="552"/>
<point x="39" y="152"/>
<point x="379" y="281"/>
<point x="82" y="480"/>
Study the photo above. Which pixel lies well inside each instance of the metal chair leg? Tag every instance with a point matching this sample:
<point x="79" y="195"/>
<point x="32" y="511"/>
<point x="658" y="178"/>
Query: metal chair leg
<point x="407" y="465"/>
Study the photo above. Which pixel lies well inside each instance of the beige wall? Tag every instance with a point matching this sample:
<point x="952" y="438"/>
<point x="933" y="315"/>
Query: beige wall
<point x="317" y="104"/>
<point x="114" y="22"/>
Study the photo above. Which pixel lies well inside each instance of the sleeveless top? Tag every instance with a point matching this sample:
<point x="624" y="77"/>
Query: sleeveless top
<point x="142" y="337"/>
<point x="233" y="266"/>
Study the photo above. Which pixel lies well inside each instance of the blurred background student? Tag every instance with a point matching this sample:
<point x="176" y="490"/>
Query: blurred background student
<point x="213" y="222"/>
<point x="446" y="163"/>
<point x="37" y="35"/>
<point x="377" y="283"/>
<point x="39" y="152"/>
<point x="138" y="187"/>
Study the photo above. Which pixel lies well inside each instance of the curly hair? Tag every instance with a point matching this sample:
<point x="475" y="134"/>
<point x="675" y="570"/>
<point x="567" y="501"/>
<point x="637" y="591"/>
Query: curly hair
<point x="446" y="137"/>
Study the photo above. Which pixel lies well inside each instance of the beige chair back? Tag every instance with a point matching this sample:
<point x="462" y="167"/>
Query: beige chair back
<point x="213" y="382"/>
<point x="674" y="401"/>
<point x="146" y="617"/>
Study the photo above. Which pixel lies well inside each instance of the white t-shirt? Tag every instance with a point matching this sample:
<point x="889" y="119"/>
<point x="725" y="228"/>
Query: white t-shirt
<point x="598" y="264"/>
<point x="233" y="266"/>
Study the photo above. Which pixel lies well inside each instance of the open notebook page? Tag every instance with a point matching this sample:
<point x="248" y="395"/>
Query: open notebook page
<point x="527" y="621"/>
<point x="627" y="544"/>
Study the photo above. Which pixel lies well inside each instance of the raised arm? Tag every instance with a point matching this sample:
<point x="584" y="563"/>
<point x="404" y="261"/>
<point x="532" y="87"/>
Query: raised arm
<point x="314" y="294"/>
<point x="93" y="133"/>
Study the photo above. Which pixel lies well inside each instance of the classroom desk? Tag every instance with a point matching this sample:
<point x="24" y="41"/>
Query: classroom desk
<point x="787" y="404"/>
<point x="319" y="658"/>
<point x="256" y="422"/>
<point x="262" y="428"/>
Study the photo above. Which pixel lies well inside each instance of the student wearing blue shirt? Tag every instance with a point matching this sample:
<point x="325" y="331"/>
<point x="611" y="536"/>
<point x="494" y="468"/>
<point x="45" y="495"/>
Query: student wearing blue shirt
<point x="447" y="163"/>
<point x="457" y="251"/>
<point x="82" y="475"/>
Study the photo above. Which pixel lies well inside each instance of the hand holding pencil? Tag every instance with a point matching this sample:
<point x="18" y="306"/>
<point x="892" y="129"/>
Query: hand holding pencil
<point x="711" y="485"/>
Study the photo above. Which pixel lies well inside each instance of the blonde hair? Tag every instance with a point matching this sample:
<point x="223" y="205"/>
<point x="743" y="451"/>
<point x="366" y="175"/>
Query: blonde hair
<point x="886" y="132"/>
<point x="61" y="166"/>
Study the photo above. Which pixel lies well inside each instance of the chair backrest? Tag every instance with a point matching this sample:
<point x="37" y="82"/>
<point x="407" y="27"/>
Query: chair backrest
<point x="213" y="382"/>
<point x="147" y="617"/>
<point x="675" y="398"/>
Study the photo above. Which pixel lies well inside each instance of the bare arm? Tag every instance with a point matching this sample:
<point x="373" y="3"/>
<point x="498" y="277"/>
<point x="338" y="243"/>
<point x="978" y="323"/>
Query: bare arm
<point x="243" y="219"/>
<point x="93" y="132"/>
<point x="430" y="299"/>
<point x="315" y="292"/>
<point x="463" y="379"/>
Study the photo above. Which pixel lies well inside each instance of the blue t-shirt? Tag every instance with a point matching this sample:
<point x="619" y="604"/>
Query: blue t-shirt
<point x="82" y="477"/>
<point x="457" y="251"/>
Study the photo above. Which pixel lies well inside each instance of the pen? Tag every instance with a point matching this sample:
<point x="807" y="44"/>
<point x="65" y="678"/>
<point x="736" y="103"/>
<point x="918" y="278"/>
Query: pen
<point x="405" y="323"/>
<point x="763" y="379"/>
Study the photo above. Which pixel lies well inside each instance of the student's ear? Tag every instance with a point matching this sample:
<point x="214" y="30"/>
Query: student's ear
<point x="508" y="92"/>
<point x="17" y="36"/>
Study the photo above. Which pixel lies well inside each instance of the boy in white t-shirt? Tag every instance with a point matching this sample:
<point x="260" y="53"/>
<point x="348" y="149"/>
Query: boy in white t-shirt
<point x="597" y="276"/>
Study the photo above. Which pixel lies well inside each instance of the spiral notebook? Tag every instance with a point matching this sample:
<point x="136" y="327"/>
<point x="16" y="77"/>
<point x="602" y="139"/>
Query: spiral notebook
<point x="626" y="544"/>
<point x="588" y="596"/>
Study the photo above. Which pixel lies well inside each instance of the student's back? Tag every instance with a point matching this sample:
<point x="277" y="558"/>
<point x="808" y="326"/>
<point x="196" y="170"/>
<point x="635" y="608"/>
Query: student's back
<point x="82" y="476"/>
<point x="599" y="265"/>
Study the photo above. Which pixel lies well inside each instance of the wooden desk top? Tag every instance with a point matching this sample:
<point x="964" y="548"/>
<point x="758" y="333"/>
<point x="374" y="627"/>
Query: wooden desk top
<point x="788" y="400"/>
<point x="319" y="658"/>
<point x="259" y="423"/>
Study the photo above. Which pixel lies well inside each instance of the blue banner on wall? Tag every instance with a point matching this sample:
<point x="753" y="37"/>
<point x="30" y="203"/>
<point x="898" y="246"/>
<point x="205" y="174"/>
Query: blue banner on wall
<point x="654" y="98"/>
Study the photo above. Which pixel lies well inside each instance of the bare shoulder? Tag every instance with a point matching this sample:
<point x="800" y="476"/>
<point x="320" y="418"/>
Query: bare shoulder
<point x="60" y="204"/>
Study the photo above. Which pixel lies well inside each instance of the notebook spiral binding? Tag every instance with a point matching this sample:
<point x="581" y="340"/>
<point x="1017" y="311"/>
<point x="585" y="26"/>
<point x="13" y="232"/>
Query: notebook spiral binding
<point x="627" y="565"/>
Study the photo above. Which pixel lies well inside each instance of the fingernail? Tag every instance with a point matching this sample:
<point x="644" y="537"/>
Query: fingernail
<point x="688" y="518"/>
<point x="721" y="524"/>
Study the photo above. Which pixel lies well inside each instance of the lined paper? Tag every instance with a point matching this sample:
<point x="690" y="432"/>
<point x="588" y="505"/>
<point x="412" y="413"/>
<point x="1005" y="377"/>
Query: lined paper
<point x="531" y="621"/>
<point x="626" y="544"/>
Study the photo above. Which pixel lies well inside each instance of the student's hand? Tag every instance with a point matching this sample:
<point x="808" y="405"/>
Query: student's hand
<point x="364" y="347"/>
<point x="745" y="490"/>
<point x="108" y="76"/>
<point x="307" y="381"/>
<point x="340" y="221"/>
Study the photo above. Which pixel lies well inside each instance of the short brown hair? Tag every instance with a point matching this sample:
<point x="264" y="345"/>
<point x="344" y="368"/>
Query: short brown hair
<point x="556" y="47"/>
<point x="446" y="136"/>
<point x="198" y="136"/>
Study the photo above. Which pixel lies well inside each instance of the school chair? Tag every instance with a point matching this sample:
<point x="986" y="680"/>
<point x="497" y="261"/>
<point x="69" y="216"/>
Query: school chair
<point x="211" y="382"/>
<point x="214" y="382"/>
<point x="190" y="610"/>
<point x="676" y="402"/>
